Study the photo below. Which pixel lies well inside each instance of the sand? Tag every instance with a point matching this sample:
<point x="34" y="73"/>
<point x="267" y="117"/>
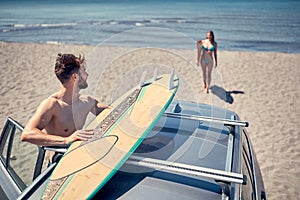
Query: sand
<point x="262" y="87"/>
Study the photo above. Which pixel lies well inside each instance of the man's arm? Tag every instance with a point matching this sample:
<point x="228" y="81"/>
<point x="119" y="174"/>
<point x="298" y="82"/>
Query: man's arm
<point x="98" y="107"/>
<point x="33" y="130"/>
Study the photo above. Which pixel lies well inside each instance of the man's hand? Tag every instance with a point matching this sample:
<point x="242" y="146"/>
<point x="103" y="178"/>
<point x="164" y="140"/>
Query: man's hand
<point x="80" y="135"/>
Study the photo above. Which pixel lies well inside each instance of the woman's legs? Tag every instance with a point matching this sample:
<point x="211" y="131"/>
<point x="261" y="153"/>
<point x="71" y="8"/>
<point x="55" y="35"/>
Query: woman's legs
<point x="207" y="67"/>
<point x="203" y="66"/>
<point x="209" y="70"/>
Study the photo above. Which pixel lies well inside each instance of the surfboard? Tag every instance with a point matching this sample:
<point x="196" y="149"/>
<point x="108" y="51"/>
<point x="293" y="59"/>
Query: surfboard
<point x="88" y="165"/>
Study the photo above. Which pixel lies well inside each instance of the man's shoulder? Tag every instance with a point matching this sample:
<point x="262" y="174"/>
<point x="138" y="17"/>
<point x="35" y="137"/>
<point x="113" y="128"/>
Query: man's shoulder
<point x="50" y="102"/>
<point x="86" y="98"/>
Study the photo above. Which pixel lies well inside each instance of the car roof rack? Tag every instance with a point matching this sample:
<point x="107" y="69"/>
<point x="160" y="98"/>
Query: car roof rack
<point x="208" y="119"/>
<point x="232" y="123"/>
<point x="226" y="176"/>
<point x="175" y="167"/>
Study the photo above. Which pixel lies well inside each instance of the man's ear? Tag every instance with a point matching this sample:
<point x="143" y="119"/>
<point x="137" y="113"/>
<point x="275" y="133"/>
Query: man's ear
<point x="74" y="76"/>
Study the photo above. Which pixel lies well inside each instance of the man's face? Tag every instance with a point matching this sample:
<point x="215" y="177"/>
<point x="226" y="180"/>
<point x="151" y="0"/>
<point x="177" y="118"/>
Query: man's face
<point x="82" y="83"/>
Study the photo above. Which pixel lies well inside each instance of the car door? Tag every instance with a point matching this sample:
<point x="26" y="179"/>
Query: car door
<point x="17" y="161"/>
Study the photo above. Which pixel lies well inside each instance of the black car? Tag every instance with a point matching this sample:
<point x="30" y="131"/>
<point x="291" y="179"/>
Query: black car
<point x="195" y="151"/>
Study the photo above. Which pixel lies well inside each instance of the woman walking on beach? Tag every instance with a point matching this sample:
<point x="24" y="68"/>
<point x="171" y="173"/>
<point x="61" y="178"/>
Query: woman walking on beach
<point x="208" y="48"/>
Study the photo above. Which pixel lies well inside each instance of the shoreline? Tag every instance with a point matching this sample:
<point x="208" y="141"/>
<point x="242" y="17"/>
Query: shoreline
<point x="261" y="87"/>
<point x="179" y="49"/>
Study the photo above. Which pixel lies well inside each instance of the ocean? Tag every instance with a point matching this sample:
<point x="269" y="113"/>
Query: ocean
<point x="238" y="25"/>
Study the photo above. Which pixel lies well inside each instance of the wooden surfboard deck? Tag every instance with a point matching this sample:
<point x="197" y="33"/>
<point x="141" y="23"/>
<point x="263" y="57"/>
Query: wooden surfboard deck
<point x="87" y="165"/>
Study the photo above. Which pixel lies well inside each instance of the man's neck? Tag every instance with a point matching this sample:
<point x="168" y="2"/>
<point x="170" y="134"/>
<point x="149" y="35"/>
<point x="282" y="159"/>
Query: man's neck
<point x="69" y="95"/>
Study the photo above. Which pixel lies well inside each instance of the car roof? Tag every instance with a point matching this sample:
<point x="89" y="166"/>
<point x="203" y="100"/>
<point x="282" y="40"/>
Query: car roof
<point x="193" y="142"/>
<point x="179" y="140"/>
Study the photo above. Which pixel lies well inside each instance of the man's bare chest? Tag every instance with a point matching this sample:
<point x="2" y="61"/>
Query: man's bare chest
<point x="70" y="118"/>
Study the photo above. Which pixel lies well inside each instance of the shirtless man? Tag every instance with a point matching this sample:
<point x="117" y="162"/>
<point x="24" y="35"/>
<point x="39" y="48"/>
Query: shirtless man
<point x="59" y="119"/>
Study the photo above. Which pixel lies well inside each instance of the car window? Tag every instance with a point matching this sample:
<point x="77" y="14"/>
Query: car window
<point x="5" y="146"/>
<point x="23" y="158"/>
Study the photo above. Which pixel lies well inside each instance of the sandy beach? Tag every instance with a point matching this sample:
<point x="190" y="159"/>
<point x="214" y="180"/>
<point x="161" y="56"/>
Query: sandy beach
<point x="262" y="87"/>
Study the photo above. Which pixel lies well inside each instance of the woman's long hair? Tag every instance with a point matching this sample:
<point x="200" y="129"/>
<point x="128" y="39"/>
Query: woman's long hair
<point x="212" y="37"/>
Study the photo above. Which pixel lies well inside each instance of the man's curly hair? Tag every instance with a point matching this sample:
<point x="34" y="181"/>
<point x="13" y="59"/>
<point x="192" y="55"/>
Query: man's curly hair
<point x="66" y="65"/>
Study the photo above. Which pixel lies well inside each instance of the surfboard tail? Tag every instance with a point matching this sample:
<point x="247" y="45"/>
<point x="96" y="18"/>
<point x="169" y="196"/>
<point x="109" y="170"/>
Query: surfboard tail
<point x="171" y="83"/>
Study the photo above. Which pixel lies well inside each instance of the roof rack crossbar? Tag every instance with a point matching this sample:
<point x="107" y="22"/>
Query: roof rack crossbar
<point x="55" y="149"/>
<point x="209" y="119"/>
<point x="163" y="165"/>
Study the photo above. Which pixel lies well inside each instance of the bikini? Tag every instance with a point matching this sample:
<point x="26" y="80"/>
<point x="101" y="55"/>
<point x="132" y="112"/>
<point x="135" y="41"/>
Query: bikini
<point x="212" y="48"/>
